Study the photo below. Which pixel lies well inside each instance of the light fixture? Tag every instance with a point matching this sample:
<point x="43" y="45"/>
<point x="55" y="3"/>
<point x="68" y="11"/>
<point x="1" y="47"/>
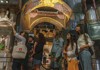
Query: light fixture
<point x="2" y="1"/>
<point x="6" y="1"/>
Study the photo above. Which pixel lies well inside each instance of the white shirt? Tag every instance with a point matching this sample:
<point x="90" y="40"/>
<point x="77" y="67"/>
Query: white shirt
<point x="81" y="42"/>
<point x="71" y="52"/>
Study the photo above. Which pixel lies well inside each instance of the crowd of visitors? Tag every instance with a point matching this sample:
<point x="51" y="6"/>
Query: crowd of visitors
<point x="75" y="51"/>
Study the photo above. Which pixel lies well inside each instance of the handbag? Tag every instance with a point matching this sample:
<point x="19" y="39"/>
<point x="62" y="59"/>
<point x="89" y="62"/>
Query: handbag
<point x="19" y="51"/>
<point x="90" y="50"/>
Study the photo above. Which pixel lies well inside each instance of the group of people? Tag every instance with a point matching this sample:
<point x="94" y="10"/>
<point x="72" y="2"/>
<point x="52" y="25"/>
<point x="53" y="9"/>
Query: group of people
<point x="34" y="50"/>
<point x="75" y="50"/>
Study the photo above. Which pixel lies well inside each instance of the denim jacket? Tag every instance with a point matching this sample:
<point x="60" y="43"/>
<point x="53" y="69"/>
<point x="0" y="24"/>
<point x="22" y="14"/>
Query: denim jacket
<point x="57" y="47"/>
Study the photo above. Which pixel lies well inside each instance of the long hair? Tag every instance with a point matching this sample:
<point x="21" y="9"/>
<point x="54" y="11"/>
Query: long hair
<point x="26" y="37"/>
<point x="70" y="41"/>
<point x="41" y="38"/>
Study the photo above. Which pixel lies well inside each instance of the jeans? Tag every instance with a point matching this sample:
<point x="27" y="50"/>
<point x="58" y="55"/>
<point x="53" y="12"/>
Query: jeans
<point x="85" y="60"/>
<point x="16" y="64"/>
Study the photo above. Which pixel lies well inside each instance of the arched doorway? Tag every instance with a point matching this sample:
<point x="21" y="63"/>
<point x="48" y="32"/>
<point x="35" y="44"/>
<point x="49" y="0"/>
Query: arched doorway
<point x="46" y="28"/>
<point x="49" y="20"/>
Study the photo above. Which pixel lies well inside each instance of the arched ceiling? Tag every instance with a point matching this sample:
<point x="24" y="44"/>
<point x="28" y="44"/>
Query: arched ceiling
<point x="54" y="5"/>
<point x="47" y="19"/>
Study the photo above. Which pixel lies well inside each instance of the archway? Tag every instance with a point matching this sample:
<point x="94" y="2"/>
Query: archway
<point x="58" y="25"/>
<point x="46" y="28"/>
<point x="31" y="13"/>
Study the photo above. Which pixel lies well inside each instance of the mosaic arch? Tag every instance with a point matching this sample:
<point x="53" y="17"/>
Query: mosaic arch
<point x="59" y="5"/>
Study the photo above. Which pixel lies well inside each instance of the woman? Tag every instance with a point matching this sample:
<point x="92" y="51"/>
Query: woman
<point x="27" y="62"/>
<point x="56" y="51"/>
<point x="38" y="51"/>
<point x="20" y="39"/>
<point x="69" y="51"/>
<point x="84" y="54"/>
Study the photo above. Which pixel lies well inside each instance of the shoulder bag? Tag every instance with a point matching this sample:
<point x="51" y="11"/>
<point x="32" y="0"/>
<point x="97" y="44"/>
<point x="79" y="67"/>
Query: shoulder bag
<point x="90" y="49"/>
<point x="19" y="51"/>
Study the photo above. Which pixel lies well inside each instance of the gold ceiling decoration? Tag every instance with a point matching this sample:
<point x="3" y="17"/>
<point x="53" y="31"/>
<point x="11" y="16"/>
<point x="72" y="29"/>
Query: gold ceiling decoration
<point x="32" y="5"/>
<point x="50" y="2"/>
<point x="62" y="6"/>
<point x="47" y="19"/>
